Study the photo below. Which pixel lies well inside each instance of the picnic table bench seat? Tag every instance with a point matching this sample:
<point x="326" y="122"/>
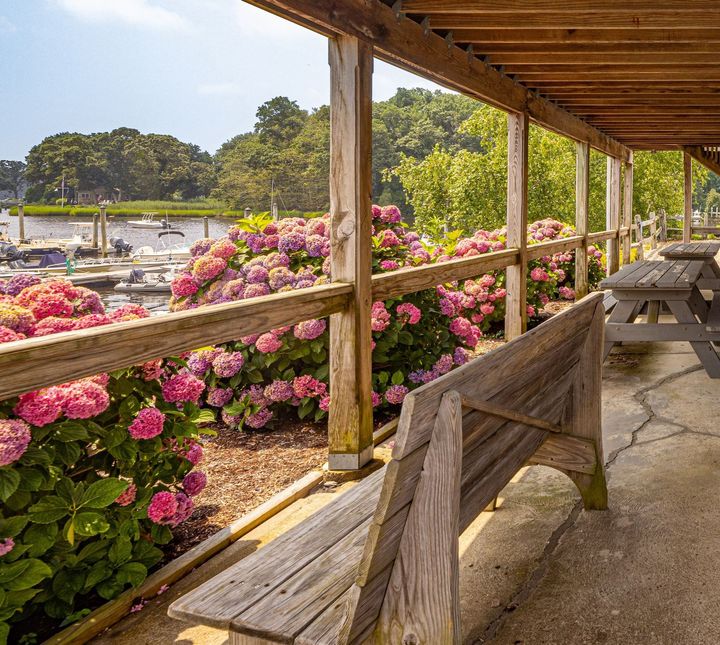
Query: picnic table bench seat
<point x="379" y="563"/>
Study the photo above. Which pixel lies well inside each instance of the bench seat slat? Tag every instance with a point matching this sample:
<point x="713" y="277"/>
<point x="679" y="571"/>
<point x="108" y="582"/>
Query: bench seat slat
<point x="218" y="601"/>
<point x="290" y="607"/>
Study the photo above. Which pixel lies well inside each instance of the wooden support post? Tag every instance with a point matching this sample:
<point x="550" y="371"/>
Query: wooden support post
<point x="582" y="207"/>
<point x="687" y="220"/>
<point x="627" y="210"/>
<point x="516" y="282"/>
<point x="95" y="230"/>
<point x="612" y="210"/>
<point x="21" y="221"/>
<point x="206" y="226"/>
<point x="103" y="231"/>
<point x="350" y="424"/>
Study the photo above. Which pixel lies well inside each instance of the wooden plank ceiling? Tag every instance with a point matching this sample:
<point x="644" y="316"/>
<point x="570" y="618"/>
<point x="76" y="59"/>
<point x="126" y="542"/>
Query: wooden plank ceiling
<point x="645" y="72"/>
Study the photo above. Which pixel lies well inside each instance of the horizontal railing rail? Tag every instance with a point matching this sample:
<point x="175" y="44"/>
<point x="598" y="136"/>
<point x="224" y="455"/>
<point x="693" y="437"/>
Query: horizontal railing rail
<point x="48" y="360"/>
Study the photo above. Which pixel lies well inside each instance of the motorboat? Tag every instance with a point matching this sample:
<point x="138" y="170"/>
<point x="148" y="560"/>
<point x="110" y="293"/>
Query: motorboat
<point x="140" y="282"/>
<point x="148" y="221"/>
<point x="171" y="246"/>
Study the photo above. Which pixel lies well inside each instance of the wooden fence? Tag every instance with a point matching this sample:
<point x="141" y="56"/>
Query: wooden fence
<point x="656" y="225"/>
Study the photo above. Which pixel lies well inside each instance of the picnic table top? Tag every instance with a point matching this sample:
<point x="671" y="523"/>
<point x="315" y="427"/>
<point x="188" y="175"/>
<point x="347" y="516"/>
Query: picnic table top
<point x="656" y="274"/>
<point x="691" y="249"/>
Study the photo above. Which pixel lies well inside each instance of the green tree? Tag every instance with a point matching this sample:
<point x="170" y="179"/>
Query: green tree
<point x="12" y="176"/>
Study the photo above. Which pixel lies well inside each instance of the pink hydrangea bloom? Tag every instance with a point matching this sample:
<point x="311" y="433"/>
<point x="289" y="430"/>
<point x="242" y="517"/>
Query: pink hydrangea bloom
<point x="395" y="394"/>
<point x="375" y="398"/>
<point x="268" y="343"/>
<point x="308" y="386"/>
<point x="182" y="387"/>
<point x="567" y="293"/>
<point x="163" y="507"/>
<point x="389" y="239"/>
<point x="539" y="275"/>
<point x="194" y="453"/>
<point x="227" y="364"/>
<point x="324" y="403"/>
<point x="389" y="265"/>
<point x="279" y="391"/>
<point x="148" y="423"/>
<point x="40" y="407"/>
<point x="259" y="419"/>
<point x="380" y="317"/>
<point x="7" y="335"/>
<point x="309" y="329"/>
<point x="390" y="215"/>
<point x="84" y="399"/>
<point x="194" y="483"/>
<point x="127" y="497"/>
<point x="408" y="313"/>
<point x="183" y="285"/>
<point x="223" y="248"/>
<point x="217" y="397"/>
<point x="6" y="545"/>
<point x="443" y="364"/>
<point x="15" y="436"/>
<point x="207" y="267"/>
<point x="130" y="311"/>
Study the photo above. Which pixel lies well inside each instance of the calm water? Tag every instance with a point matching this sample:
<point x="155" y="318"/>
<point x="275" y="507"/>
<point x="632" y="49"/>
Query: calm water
<point x="62" y="227"/>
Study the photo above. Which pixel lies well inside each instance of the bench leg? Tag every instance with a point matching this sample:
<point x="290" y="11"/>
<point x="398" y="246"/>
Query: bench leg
<point x="653" y="311"/>
<point x="422" y="602"/>
<point x="492" y="505"/>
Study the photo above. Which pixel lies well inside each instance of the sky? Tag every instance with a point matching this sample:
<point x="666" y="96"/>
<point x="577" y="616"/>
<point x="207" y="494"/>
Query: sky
<point x="196" y="69"/>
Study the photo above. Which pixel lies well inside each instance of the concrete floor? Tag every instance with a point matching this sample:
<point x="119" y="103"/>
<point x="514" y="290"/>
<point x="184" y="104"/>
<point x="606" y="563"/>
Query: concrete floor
<point x="540" y="570"/>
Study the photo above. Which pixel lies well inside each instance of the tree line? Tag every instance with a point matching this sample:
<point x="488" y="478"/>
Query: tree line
<point x="439" y="156"/>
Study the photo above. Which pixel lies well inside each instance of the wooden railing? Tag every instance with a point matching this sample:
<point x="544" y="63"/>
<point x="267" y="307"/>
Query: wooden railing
<point x="656" y="224"/>
<point x="49" y="360"/>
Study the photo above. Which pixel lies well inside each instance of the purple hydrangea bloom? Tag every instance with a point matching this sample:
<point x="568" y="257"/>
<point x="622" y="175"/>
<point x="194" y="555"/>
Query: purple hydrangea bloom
<point x="291" y="241"/>
<point x="217" y="397"/>
<point x="279" y="391"/>
<point x="227" y="364"/>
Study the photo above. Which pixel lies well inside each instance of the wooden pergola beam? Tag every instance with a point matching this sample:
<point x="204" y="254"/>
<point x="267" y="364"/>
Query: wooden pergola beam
<point x="710" y="161"/>
<point x="669" y="58"/>
<point x="553" y="37"/>
<point x="636" y="7"/>
<point x="600" y="19"/>
<point x="407" y="44"/>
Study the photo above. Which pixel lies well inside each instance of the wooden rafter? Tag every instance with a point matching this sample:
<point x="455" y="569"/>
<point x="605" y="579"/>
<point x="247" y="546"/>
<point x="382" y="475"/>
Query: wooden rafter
<point x="708" y="157"/>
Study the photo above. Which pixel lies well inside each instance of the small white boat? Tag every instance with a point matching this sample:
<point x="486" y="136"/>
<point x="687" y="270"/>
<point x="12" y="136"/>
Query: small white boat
<point x="166" y="250"/>
<point x="148" y="221"/>
<point x="140" y="282"/>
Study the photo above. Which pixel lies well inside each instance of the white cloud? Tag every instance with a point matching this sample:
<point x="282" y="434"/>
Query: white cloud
<point x="141" y="13"/>
<point x="6" y="26"/>
<point x="219" y="89"/>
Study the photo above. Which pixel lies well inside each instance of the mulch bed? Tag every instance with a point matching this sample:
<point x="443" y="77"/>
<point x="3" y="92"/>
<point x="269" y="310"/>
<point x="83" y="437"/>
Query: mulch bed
<point x="245" y="469"/>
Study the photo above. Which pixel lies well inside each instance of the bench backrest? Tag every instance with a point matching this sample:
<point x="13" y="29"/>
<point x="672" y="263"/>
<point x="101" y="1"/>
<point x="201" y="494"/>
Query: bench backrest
<point x="449" y="460"/>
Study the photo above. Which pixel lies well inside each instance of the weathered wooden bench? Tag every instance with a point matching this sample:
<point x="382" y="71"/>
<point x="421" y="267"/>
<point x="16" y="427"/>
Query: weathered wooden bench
<point x="380" y="562"/>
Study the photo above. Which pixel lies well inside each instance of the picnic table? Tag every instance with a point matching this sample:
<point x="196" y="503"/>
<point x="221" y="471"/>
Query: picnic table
<point x="705" y="251"/>
<point x="674" y="283"/>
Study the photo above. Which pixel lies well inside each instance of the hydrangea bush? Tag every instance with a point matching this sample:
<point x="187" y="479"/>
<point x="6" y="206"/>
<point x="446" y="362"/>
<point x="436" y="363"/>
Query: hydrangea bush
<point x="416" y="338"/>
<point x="93" y="473"/>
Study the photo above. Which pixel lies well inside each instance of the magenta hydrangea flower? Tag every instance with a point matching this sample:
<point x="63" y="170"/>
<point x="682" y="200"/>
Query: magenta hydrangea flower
<point x="388" y="239"/>
<point x="567" y="293"/>
<point x="395" y="394"/>
<point x="389" y="265"/>
<point x="217" y="397"/>
<point x="227" y="364"/>
<point x="40" y="407"/>
<point x="84" y="399"/>
<point x="308" y="386"/>
<point x="182" y="387"/>
<point x="310" y="329"/>
<point x="375" y="398"/>
<point x="148" y="423"/>
<point x="127" y="497"/>
<point x="443" y="364"/>
<point x="7" y="335"/>
<point x="259" y="419"/>
<point x="183" y="285"/>
<point x="257" y="274"/>
<point x="201" y="247"/>
<point x="207" y="267"/>
<point x="223" y="248"/>
<point x="19" y="282"/>
<point x="6" y="545"/>
<point x="194" y="483"/>
<point x="15" y="436"/>
<point x="279" y="391"/>
<point x="390" y="215"/>
<point x="380" y="317"/>
<point x="163" y="507"/>
<point x="408" y="313"/>
<point x="324" y="403"/>
<point x="268" y="343"/>
<point x="539" y="275"/>
<point x="194" y="453"/>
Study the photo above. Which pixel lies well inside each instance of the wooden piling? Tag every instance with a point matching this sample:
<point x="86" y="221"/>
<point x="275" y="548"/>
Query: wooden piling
<point x="21" y="221"/>
<point x="103" y="231"/>
<point x="206" y="226"/>
<point x="95" y="230"/>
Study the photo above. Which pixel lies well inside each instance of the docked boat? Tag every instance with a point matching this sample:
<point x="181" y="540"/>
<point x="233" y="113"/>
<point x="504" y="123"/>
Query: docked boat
<point x="170" y="246"/>
<point x="148" y="221"/>
<point x="140" y="282"/>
